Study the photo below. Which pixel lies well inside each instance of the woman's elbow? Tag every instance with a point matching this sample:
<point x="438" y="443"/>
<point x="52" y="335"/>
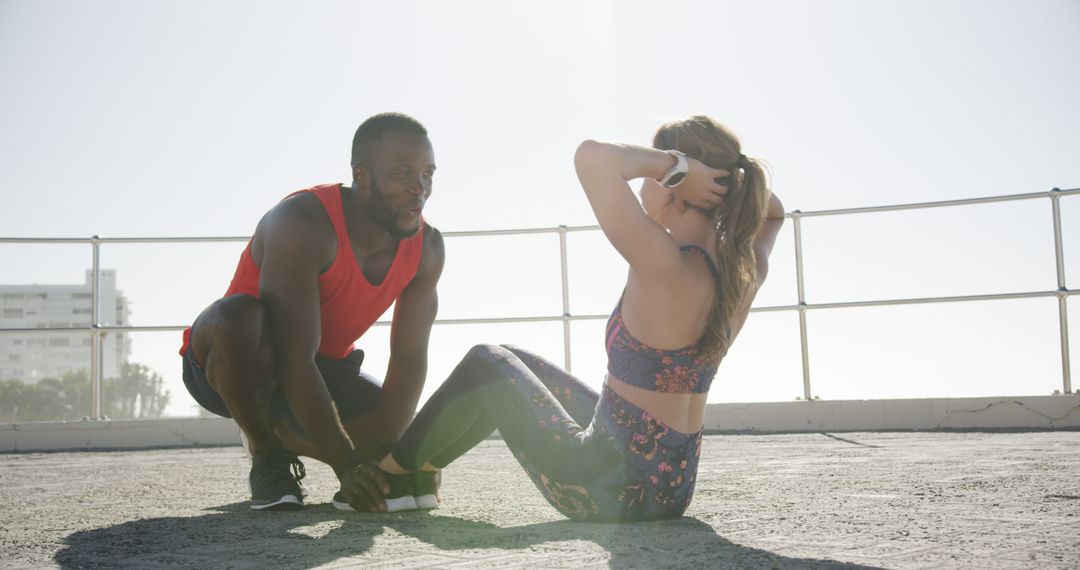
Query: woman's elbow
<point x="587" y="152"/>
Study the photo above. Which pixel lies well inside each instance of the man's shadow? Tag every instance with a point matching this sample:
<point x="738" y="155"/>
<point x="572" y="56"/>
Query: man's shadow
<point x="317" y="535"/>
<point x="227" y="536"/>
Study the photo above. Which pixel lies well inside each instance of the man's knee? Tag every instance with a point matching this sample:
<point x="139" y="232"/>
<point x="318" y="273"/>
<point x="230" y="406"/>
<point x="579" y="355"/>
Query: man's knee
<point x="240" y="324"/>
<point x="235" y="335"/>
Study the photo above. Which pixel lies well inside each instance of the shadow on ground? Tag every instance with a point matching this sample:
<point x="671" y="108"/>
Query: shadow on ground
<point x="233" y="536"/>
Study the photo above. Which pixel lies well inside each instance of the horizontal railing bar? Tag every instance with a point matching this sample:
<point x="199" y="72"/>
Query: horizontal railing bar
<point x="203" y="239"/>
<point x="523" y="231"/>
<point x="774" y="308"/>
<point x="208" y="239"/>
<point x="928" y="205"/>
<point x="553" y="229"/>
<point x="218" y="239"/>
<point x="594" y="317"/>
<point x="46" y="240"/>
<point x="511" y="320"/>
<point x="83" y="330"/>
<point x="930" y="300"/>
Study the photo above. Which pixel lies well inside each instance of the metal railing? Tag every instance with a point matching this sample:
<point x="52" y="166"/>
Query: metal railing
<point x="96" y="330"/>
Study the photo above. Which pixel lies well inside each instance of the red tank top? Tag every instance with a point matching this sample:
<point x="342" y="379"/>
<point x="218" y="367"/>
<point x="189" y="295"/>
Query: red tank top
<point x="348" y="303"/>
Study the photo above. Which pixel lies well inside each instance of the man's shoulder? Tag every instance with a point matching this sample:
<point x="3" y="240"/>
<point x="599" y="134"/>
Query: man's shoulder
<point x="433" y="242"/>
<point x="301" y="221"/>
<point x="432" y="236"/>
<point x="432" y="252"/>
<point x="303" y="212"/>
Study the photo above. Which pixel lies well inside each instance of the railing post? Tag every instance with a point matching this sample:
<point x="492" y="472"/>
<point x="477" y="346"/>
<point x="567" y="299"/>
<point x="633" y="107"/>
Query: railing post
<point x="565" y="298"/>
<point x="95" y="330"/>
<point x="1062" y="292"/>
<point x="796" y="217"/>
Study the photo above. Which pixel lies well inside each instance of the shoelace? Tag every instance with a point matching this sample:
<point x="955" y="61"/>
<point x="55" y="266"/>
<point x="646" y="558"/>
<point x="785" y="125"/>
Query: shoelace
<point x="297" y="469"/>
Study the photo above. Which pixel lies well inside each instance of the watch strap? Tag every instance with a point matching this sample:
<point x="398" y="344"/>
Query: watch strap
<point x="676" y="174"/>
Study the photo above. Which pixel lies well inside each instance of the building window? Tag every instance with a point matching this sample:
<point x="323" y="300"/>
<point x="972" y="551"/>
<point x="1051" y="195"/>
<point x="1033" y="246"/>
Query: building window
<point x="59" y="342"/>
<point x="13" y="296"/>
<point x="81" y="311"/>
<point x="13" y="313"/>
<point x="80" y="295"/>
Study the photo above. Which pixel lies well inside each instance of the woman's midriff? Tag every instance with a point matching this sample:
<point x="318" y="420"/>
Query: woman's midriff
<point x="681" y="412"/>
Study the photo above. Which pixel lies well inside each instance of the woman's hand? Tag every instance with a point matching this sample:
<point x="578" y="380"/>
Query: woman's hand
<point x="703" y="187"/>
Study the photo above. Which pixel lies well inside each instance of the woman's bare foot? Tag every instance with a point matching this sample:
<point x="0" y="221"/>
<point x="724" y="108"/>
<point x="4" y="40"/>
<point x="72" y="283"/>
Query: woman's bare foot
<point x="389" y="465"/>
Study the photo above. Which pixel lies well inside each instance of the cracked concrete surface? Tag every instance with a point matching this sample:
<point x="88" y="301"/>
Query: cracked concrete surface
<point x="882" y="500"/>
<point x="1009" y="401"/>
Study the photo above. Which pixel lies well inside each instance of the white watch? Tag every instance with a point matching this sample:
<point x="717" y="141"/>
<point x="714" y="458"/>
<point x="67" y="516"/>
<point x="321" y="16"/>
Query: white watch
<point x="677" y="173"/>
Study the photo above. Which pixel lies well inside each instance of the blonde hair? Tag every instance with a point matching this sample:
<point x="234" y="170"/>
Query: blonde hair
<point x="738" y="218"/>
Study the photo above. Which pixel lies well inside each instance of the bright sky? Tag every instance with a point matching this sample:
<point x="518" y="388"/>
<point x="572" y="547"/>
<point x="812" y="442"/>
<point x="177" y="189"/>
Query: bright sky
<point x="130" y="118"/>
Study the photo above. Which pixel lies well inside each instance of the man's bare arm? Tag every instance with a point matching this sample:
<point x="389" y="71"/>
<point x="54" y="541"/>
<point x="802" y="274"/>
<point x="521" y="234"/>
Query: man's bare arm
<point x="414" y="314"/>
<point x="293" y="254"/>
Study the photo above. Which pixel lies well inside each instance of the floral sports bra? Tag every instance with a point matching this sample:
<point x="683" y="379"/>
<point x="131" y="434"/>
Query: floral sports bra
<point x="680" y="371"/>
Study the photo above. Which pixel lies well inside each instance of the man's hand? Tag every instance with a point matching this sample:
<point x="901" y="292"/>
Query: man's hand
<point x="365" y="489"/>
<point x="703" y="188"/>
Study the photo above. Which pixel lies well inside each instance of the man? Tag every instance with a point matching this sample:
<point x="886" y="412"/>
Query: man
<point x="275" y="353"/>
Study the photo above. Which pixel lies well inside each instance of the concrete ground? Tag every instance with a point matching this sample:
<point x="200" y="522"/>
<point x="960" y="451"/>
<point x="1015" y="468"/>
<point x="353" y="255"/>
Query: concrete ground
<point x="881" y="500"/>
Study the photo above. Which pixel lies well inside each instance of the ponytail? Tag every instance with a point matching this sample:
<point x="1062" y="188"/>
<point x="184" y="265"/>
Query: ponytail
<point x="738" y="218"/>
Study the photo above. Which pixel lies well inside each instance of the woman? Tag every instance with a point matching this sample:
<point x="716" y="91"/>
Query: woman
<point x="697" y="245"/>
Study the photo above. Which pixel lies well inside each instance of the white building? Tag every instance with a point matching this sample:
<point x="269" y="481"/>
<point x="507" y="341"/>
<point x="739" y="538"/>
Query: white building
<point x="32" y="356"/>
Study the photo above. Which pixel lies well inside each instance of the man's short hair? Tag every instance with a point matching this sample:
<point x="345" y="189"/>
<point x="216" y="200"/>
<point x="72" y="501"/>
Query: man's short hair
<point x="371" y="131"/>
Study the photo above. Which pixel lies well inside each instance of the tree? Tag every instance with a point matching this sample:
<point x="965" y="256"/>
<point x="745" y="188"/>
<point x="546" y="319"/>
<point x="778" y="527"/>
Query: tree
<point x="139" y="392"/>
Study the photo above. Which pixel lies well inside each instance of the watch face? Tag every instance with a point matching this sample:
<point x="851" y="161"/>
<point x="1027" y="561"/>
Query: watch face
<point x="675" y="179"/>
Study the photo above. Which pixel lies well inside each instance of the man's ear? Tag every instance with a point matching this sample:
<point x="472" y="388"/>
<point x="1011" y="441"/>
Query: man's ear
<point x="361" y="178"/>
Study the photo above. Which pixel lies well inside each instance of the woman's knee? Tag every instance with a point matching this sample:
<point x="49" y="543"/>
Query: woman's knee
<point x="516" y="350"/>
<point x="483" y="364"/>
<point x="487" y="353"/>
<point x="529" y="358"/>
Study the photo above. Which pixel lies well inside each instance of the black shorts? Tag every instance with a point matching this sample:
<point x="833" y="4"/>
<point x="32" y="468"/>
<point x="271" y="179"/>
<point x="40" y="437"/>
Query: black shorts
<point x="354" y="391"/>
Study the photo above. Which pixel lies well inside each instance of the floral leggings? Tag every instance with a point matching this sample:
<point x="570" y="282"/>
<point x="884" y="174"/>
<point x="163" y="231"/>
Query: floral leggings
<point x="594" y="457"/>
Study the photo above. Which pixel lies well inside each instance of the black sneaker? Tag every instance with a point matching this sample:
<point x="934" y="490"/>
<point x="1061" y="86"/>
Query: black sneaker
<point x="275" y="481"/>
<point x="400" y="497"/>
<point x="425" y="489"/>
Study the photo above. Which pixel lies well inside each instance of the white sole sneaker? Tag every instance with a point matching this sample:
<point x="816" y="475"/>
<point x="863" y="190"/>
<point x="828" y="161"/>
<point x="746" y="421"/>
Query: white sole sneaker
<point x="426" y="502"/>
<point x="397" y="504"/>
<point x="285" y="503"/>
